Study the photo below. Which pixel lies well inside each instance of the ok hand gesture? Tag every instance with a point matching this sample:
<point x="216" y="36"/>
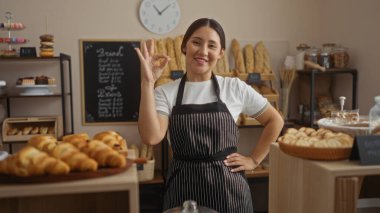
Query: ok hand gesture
<point x="152" y="65"/>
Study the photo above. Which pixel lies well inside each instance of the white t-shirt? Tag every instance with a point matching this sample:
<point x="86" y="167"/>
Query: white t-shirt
<point x="238" y="96"/>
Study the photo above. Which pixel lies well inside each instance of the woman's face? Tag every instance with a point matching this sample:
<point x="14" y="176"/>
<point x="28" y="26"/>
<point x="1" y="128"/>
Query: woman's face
<point x="203" y="49"/>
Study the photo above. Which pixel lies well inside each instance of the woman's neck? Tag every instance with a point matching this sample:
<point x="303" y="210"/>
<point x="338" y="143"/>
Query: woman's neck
<point x="198" y="77"/>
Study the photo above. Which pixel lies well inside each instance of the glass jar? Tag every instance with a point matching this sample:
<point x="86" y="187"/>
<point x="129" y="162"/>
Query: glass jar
<point x="341" y="57"/>
<point x="326" y="57"/>
<point x="312" y="55"/>
<point x="301" y="50"/>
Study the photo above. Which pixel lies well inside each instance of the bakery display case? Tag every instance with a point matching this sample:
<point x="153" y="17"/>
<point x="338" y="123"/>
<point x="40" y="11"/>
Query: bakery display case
<point x="310" y="118"/>
<point x="56" y="102"/>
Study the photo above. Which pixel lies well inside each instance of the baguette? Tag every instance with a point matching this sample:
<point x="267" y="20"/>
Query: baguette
<point x="171" y="54"/>
<point x="238" y="56"/>
<point x="180" y="57"/>
<point x="249" y="58"/>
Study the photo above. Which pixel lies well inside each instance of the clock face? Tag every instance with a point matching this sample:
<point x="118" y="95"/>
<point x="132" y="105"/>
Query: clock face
<point x="159" y="16"/>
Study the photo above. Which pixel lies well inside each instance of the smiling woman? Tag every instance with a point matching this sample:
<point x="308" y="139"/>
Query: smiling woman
<point x="159" y="16"/>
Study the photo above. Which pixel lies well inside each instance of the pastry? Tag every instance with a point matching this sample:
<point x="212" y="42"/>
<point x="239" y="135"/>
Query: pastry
<point x="41" y="80"/>
<point x="30" y="161"/>
<point x="26" y="130"/>
<point x="180" y="57"/>
<point x="112" y="139"/>
<point x="79" y="140"/>
<point x="47" y="45"/>
<point x="43" y="142"/>
<point x="104" y="155"/>
<point x="76" y="160"/>
<point x="43" y="130"/>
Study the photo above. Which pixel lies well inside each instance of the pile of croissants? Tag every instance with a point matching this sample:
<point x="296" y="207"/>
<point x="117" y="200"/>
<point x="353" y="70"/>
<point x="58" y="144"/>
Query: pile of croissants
<point x="45" y="155"/>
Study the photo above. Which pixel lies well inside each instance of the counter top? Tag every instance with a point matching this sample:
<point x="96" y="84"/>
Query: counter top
<point x="117" y="182"/>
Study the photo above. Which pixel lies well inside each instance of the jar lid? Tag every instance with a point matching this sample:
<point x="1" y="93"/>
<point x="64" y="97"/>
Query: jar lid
<point x="302" y="46"/>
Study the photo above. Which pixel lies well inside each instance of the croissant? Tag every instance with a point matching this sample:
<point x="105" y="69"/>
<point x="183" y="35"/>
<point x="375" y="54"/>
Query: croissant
<point x="77" y="160"/>
<point x="104" y="155"/>
<point x="44" y="143"/>
<point x="78" y="140"/>
<point x="30" y="161"/>
<point x="112" y="139"/>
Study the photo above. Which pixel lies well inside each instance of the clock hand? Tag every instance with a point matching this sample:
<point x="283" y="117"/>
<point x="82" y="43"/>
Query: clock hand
<point x="158" y="11"/>
<point x="164" y="9"/>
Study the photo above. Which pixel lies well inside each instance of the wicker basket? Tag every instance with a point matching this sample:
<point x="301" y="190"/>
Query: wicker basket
<point x="314" y="153"/>
<point x="145" y="171"/>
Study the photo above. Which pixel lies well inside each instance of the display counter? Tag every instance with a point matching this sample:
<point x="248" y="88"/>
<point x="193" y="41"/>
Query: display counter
<point x="298" y="186"/>
<point x="114" y="193"/>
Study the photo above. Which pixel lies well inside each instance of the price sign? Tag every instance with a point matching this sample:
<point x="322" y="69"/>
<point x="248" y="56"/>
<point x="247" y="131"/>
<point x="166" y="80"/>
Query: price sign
<point x="366" y="149"/>
<point x="253" y="78"/>
<point x="175" y="74"/>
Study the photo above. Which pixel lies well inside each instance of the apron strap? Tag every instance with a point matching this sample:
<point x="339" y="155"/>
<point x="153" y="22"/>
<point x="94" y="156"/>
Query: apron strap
<point x="182" y="88"/>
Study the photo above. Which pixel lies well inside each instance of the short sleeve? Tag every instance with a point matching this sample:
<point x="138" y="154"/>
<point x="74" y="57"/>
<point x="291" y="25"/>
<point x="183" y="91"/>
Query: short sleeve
<point x="162" y="104"/>
<point x="254" y="104"/>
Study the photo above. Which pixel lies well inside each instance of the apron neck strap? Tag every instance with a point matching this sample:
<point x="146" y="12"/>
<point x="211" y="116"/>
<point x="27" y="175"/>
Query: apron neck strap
<point x="182" y="88"/>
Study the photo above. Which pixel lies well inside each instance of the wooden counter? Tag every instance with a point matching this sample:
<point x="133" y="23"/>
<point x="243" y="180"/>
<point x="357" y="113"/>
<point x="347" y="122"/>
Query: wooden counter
<point x="115" y="193"/>
<point x="298" y="186"/>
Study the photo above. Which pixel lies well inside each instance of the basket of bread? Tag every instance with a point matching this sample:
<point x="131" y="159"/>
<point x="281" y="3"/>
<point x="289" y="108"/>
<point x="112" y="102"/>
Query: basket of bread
<point x="77" y="156"/>
<point x="144" y="161"/>
<point x="321" y="144"/>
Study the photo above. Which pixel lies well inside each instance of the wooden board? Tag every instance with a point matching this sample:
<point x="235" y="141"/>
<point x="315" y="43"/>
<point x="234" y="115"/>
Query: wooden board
<point x="103" y="172"/>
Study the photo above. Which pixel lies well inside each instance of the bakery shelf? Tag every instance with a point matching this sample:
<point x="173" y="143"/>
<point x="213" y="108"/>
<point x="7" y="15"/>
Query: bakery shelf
<point x="62" y="69"/>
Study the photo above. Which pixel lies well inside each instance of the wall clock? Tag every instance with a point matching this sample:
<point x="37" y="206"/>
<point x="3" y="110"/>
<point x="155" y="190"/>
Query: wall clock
<point x="159" y="16"/>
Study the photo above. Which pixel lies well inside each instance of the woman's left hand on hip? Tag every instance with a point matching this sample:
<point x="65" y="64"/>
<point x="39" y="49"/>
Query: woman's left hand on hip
<point x="239" y="162"/>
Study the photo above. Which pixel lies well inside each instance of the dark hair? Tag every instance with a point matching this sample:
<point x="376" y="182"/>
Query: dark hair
<point x="202" y="22"/>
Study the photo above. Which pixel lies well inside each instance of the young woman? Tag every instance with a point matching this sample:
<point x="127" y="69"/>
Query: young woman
<point x="199" y="112"/>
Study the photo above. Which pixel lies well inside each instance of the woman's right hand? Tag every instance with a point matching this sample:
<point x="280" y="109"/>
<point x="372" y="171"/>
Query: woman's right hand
<point x="152" y="65"/>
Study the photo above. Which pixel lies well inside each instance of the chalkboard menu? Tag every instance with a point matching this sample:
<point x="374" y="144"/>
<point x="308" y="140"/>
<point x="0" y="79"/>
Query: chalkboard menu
<point x="110" y="81"/>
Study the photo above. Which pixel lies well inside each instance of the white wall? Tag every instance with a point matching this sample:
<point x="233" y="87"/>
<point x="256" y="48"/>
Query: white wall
<point x="294" y="21"/>
<point x="355" y="24"/>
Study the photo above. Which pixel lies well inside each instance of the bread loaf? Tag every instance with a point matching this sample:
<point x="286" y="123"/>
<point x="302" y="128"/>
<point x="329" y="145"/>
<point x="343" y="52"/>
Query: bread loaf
<point x="249" y="58"/>
<point x="238" y="56"/>
<point x="171" y="53"/>
<point x="180" y="57"/>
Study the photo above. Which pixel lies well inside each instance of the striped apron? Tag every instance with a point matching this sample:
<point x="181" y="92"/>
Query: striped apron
<point x="201" y="136"/>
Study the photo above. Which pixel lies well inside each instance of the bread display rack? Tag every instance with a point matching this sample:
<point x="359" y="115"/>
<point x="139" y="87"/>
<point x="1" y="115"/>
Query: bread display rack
<point x="60" y="68"/>
<point x="252" y="65"/>
<point x="22" y="129"/>
<point x="10" y="26"/>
